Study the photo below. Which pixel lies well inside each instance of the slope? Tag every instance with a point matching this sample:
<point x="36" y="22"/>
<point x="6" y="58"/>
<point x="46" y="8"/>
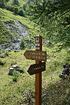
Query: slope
<point x="7" y="17"/>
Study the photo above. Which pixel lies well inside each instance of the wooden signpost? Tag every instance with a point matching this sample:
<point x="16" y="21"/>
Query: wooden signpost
<point x="40" y="57"/>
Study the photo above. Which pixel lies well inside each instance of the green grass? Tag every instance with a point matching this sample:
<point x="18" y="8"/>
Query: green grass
<point x="21" y="2"/>
<point x="10" y="91"/>
<point x="55" y="88"/>
<point x="7" y="16"/>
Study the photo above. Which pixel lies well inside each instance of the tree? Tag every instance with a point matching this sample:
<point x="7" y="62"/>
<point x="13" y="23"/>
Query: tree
<point x="15" y="10"/>
<point x="21" y="12"/>
<point x="22" y="46"/>
<point x="15" y="2"/>
<point x="2" y="2"/>
<point x="6" y="0"/>
<point x="51" y="17"/>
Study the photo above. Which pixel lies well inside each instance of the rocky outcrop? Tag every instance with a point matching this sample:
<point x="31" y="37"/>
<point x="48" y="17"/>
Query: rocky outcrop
<point x="18" y="31"/>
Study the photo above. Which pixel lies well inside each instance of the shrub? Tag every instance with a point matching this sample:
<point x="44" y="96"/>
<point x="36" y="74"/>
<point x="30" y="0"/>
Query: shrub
<point x="10" y="8"/>
<point x="15" y="76"/>
<point x="15" y="10"/>
<point x="15" y="2"/>
<point x="2" y="5"/>
<point x="22" y="46"/>
<point x="21" y="12"/>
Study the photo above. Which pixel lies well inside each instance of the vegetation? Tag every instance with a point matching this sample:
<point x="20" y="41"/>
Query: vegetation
<point x="9" y="17"/>
<point x="15" y="6"/>
<point x="53" y="18"/>
<point x="50" y="19"/>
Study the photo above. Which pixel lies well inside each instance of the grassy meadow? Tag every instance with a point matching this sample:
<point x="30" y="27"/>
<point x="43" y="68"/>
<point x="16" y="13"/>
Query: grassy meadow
<point x="54" y="88"/>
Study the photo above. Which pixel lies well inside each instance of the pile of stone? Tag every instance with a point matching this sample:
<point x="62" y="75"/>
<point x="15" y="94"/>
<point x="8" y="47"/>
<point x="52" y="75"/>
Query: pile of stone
<point x="13" y="68"/>
<point x="66" y="71"/>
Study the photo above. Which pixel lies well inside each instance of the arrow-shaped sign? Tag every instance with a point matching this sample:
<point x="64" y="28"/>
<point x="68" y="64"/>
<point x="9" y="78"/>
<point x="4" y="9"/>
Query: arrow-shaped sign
<point x="35" y="55"/>
<point x="36" y="68"/>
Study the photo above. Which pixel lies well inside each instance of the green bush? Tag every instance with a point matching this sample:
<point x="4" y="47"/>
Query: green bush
<point x="15" y="76"/>
<point x="10" y="8"/>
<point x="21" y="12"/>
<point x="15" y="10"/>
<point x="15" y="2"/>
<point x="2" y="5"/>
<point x="22" y="46"/>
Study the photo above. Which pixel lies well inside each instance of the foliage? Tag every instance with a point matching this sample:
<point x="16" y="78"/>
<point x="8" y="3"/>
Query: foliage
<point x="27" y="42"/>
<point x="13" y="5"/>
<point x="21" y="12"/>
<point x="15" y="10"/>
<point x="6" y="35"/>
<point x="53" y="18"/>
<point x="15" y="76"/>
<point x="15" y="2"/>
<point x="22" y="46"/>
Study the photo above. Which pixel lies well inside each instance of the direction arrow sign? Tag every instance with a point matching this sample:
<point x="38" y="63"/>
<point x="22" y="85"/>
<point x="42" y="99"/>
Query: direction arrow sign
<point x="35" y="55"/>
<point x="36" y="68"/>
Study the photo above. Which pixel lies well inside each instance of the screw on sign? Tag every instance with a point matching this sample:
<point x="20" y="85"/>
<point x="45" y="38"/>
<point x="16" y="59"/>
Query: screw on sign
<point x="38" y="55"/>
<point x="37" y="42"/>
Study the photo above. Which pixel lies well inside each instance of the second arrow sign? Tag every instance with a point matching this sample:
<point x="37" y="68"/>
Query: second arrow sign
<point x="36" y="68"/>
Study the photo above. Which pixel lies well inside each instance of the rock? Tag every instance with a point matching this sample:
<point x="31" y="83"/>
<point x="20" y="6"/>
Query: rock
<point x="13" y="68"/>
<point x="66" y="71"/>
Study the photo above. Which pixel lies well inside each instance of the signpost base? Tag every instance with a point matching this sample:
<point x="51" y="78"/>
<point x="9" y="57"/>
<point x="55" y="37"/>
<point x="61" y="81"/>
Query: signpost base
<point x="38" y="88"/>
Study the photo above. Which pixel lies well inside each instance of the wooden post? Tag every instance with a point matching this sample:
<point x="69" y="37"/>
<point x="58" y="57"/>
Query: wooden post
<point x="38" y="76"/>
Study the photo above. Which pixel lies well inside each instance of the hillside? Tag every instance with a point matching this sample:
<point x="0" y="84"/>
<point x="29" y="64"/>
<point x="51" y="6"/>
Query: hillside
<point x="14" y="27"/>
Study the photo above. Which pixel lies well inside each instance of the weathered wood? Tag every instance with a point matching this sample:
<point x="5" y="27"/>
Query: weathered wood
<point x="38" y="76"/>
<point x="35" y="55"/>
<point x="36" y="68"/>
